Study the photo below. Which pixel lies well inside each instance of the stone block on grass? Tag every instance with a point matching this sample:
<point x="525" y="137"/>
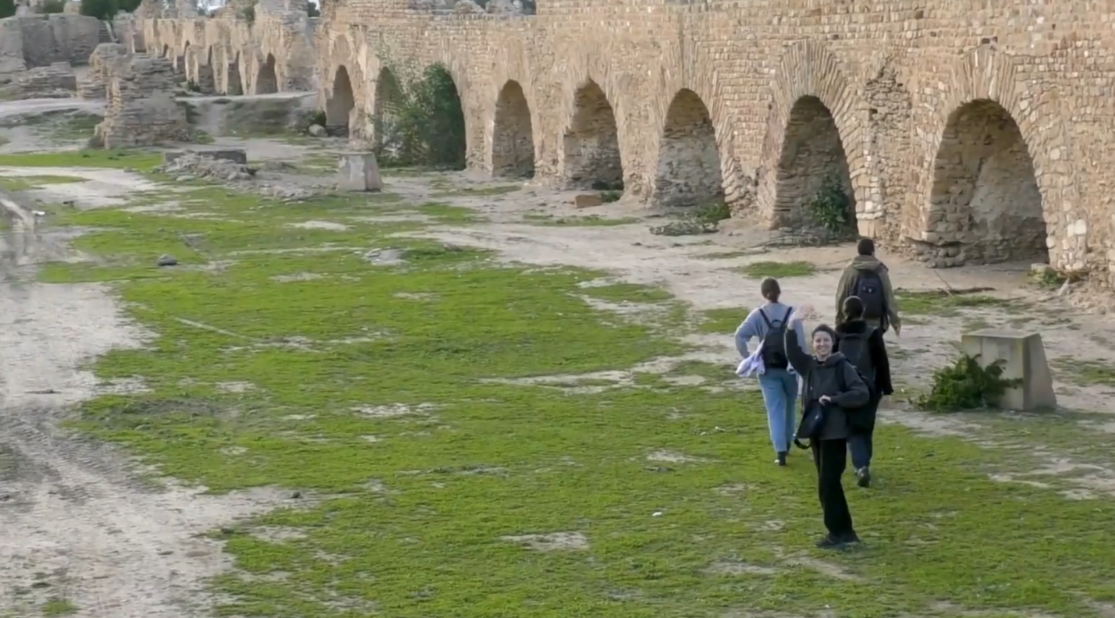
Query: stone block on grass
<point x="587" y="200"/>
<point x="358" y="171"/>
<point x="1023" y="357"/>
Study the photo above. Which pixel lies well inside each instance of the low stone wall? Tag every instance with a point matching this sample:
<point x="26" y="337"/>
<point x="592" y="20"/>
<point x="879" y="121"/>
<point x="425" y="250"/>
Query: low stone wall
<point x="54" y="82"/>
<point x="141" y="109"/>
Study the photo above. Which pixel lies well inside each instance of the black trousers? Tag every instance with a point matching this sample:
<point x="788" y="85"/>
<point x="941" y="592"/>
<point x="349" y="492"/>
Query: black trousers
<point x="831" y="458"/>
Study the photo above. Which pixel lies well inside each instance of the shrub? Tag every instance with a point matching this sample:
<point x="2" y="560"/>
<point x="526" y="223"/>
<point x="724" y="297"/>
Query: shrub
<point x="49" y="7"/>
<point x="966" y="385"/>
<point x="426" y="125"/>
<point x="7" y="8"/>
<point x="829" y="206"/>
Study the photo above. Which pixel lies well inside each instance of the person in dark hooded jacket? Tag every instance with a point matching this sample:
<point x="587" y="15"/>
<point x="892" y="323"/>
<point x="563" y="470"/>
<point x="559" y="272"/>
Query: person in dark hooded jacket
<point x="856" y="336"/>
<point x="868" y="278"/>
<point x="828" y="380"/>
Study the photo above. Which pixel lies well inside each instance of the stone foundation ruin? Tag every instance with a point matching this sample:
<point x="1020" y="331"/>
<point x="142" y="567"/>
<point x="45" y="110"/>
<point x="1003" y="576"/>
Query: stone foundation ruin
<point x="141" y="109"/>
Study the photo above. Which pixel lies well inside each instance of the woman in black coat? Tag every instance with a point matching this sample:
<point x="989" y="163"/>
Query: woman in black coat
<point x="831" y="382"/>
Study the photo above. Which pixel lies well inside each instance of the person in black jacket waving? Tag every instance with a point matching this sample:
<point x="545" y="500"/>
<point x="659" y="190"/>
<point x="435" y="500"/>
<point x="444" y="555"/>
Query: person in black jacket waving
<point x="863" y="345"/>
<point x="834" y="384"/>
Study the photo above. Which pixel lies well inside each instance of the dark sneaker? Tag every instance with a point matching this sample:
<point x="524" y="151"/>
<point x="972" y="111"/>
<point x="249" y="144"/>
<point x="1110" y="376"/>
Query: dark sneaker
<point x="781" y="458"/>
<point x="850" y="539"/>
<point x="863" y="477"/>
<point x="830" y="542"/>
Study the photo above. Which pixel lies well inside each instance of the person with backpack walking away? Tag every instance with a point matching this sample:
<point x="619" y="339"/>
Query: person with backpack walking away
<point x="831" y="389"/>
<point x="776" y="380"/>
<point x="863" y="345"/>
<point x="868" y="278"/>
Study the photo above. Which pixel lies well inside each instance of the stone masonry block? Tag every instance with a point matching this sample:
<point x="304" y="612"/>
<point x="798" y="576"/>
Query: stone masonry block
<point x="1023" y="356"/>
<point x="358" y="171"/>
<point x="236" y="155"/>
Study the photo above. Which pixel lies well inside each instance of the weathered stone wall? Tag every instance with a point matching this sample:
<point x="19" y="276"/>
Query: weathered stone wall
<point x="600" y="82"/>
<point x="54" y="82"/>
<point x="102" y="65"/>
<point x="45" y="39"/>
<point x="141" y="108"/>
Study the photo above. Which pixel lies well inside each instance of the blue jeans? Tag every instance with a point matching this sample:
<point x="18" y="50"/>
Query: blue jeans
<point x="780" y="393"/>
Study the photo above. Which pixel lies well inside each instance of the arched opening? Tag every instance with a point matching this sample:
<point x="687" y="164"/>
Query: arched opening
<point x="267" y="82"/>
<point x="204" y="74"/>
<point x="432" y="129"/>
<point x="233" y="84"/>
<point x="166" y="52"/>
<point x="340" y="104"/>
<point x="985" y="204"/>
<point x="688" y="162"/>
<point x="513" y="134"/>
<point x="814" y="187"/>
<point x="387" y="101"/>
<point x="591" y="143"/>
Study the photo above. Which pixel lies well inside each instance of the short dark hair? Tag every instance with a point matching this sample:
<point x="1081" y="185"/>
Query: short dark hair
<point x="770" y="289"/>
<point x="866" y="246"/>
<point x="853" y="308"/>
<point x="825" y="328"/>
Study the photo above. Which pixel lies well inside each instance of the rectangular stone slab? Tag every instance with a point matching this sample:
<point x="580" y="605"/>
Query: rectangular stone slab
<point x="1023" y="356"/>
<point x="358" y="171"/>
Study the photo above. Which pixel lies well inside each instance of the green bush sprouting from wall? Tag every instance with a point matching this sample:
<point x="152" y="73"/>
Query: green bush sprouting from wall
<point x="425" y="125"/>
<point x="107" y="9"/>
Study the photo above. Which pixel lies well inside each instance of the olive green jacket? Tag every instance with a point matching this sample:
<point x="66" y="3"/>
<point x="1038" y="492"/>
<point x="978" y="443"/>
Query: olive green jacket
<point x="846" y="288"/>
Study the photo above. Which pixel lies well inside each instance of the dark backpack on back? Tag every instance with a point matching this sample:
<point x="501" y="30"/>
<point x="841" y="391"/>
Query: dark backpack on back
<point x="869" y="289"/>
<point x="774" y="342"/>
<point x="854" y="347"/>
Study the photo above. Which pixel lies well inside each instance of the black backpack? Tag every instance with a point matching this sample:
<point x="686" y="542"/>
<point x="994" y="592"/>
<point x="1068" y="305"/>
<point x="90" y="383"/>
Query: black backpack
<point x="774" y="342"/>
<point x="854" y="347"/>
<point x="869" y="289"/>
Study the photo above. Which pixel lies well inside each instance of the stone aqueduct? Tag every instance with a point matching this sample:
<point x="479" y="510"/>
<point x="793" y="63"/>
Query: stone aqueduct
<point x="976" y="131"/>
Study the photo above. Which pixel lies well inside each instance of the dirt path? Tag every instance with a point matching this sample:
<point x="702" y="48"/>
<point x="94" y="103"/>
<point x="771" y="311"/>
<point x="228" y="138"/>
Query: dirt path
<point x="74" y="525"/>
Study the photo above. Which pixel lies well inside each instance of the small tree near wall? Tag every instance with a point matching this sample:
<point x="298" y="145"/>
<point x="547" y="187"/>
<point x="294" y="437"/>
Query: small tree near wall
<point x="7" y="8"/>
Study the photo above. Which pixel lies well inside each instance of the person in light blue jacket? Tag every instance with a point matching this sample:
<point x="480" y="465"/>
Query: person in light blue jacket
<point x="777" y="379"/>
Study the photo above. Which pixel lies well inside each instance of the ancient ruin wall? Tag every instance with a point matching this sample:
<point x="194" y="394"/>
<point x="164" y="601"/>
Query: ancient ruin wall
<point x="42" y="40"/>
<point x="951" y="125"/>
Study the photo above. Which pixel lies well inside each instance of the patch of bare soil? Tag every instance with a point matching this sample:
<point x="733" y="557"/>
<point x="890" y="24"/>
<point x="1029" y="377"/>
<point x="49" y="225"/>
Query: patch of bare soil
<point x="74" y="523"/>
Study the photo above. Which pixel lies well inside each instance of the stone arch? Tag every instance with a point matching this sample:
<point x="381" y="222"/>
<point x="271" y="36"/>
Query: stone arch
<point x="448" y="135"/>
<point x="984" y="88"/>
<point x="984" y="201"/>
<point x="340" y="103"/>
<point x="512" y="134"/>
<point x="688" y="171"/>
<point x="811" y="135"/>
<point x="234" y="84"/>
<point x="267" y="80"/>
<point x="387" y="97"/>
<point x="591" y="155"/>
<point x="812" y="162"/>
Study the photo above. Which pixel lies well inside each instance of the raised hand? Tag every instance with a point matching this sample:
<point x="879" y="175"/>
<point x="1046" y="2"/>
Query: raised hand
<point x="801" y="313"/>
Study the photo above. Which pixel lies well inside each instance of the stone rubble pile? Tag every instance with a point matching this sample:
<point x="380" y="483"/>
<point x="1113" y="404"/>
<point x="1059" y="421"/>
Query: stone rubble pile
<point x="193" y="165"/>
<point x="56" y="81"/>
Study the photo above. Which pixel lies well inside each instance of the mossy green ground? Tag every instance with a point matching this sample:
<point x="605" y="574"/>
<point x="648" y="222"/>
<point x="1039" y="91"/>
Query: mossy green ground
<point x="391" y="391"/>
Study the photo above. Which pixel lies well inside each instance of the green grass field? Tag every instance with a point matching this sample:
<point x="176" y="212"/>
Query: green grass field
<point x="454" y="486"/>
